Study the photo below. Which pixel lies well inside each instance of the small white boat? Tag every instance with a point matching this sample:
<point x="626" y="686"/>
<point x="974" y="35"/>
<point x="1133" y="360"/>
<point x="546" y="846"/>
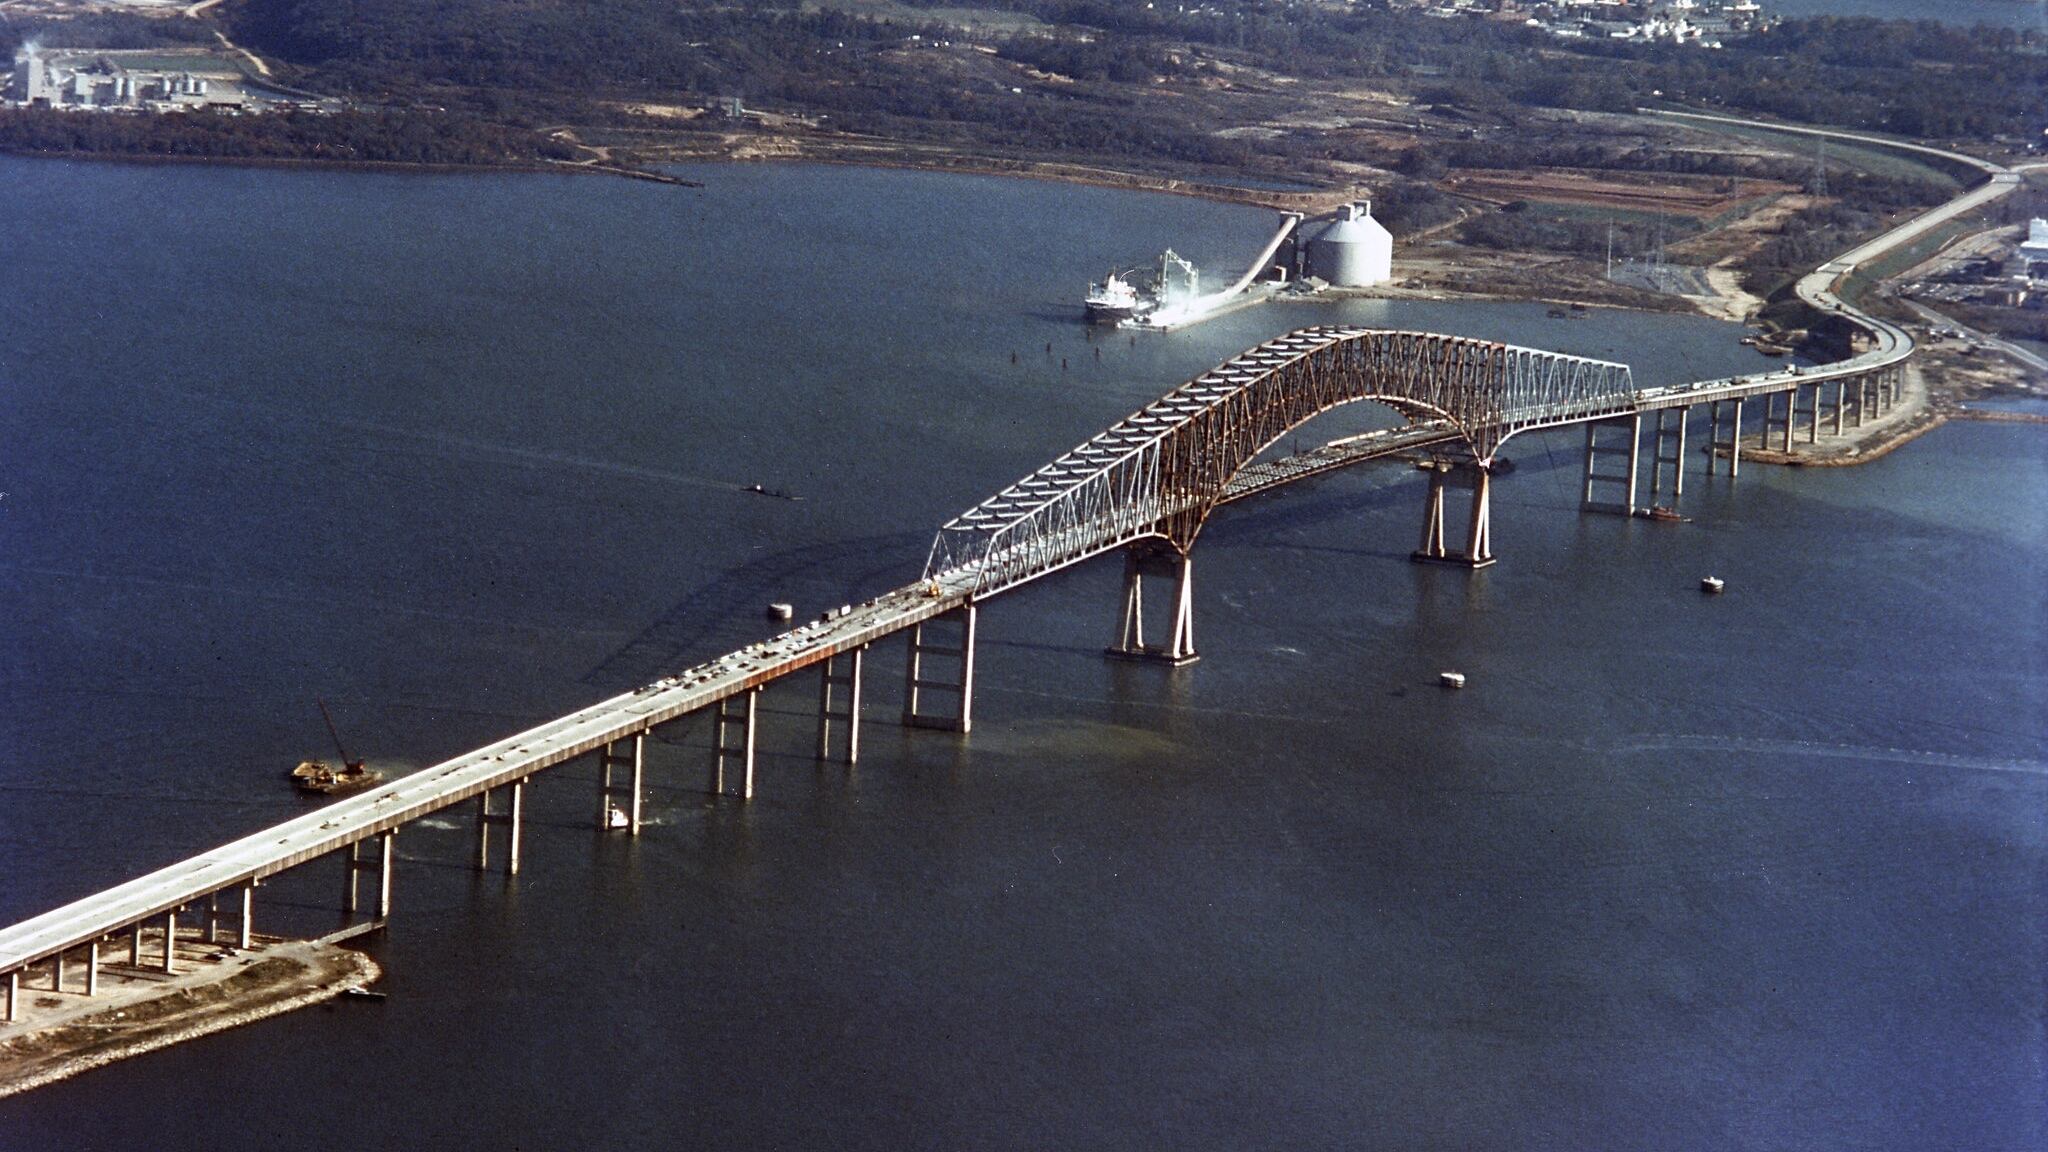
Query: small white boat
<point x="1712" y="584"/>
<point x="781" y="611"/>
<point x="615" y="817"/>
<point x="1451" y="679"/>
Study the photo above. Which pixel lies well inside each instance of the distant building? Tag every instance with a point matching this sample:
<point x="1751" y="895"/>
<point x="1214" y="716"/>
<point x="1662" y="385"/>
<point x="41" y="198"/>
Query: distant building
<point x="2035" y="248"/>
<point x="90" y="80"/>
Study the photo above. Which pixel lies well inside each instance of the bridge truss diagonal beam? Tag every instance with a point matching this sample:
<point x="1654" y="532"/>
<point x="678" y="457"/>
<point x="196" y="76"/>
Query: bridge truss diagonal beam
<point x="1159" y="472"/>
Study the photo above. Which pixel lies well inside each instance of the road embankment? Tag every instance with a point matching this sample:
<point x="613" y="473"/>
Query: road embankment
<point x="137" y="1010"/>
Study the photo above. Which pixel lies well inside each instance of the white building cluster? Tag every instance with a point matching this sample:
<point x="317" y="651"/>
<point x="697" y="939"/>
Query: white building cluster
<point x="1701" y="22"/>
<point x="97" y="80"/>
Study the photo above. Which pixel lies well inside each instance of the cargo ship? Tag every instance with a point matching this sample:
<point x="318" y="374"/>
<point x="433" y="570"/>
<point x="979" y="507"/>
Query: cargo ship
<point x="1115" y="299"/>
<point x="1131" y="298"/>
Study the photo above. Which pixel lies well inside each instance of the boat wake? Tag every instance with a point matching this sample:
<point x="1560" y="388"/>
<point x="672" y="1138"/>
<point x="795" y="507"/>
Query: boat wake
<point x="1763" y="746"/>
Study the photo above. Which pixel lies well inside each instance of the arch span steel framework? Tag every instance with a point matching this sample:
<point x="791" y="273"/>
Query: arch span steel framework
<point x="1160" y="472"/>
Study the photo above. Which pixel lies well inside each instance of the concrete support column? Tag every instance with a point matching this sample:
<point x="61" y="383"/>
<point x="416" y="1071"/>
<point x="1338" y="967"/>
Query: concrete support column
<point x="1732" y="444"/>
<point x="248" y="916"/>
<point x="1157" y="561"/>
<point x="135" y="945"/>
<point x="840" y="676"/>
<point x="630" y="754"/>
<point x="213" y="917"/>
<point x="1632" y="427"/>
<point x="732" y="740"/>
<point x="354" y="863"/>
<point x="516" y="822"/>
<point x="13" y="994"/>
<point x="1841" y="394"/>
<point x="385" y="857"/>
<point x="171" y="940"/>
<point x="1478" y="550"/>
<point x="92" y="968"/>
<point x="510" y="818"/>
<point x="1431" y="546"/>
<point x="1479" y="529"/>
<point x="920" y="683"/>
<point x="57" y="972"/>
<point x="1667" y="447"/>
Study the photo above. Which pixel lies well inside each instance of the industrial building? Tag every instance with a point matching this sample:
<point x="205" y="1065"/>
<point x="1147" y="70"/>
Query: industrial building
<point x="1353" y="250"/>
<point x="2034" y="249"/>
<point x="123" y="81"/>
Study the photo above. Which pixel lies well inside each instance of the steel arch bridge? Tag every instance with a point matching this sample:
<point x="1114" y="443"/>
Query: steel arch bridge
<point x="1158" y="474"/>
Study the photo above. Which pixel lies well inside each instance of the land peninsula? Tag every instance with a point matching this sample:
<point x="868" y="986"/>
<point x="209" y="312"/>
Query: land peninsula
<point x="1507" y="149"/>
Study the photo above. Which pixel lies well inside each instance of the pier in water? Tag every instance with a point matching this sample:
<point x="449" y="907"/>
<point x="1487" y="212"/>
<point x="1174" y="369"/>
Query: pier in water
<point x="463" y="453"/>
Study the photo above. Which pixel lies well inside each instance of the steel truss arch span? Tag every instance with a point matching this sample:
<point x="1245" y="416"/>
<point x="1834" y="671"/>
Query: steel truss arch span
<point x="1160" y="472"/>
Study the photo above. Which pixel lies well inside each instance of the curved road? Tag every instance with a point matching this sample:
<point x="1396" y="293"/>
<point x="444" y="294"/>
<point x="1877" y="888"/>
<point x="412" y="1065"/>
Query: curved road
<point x="1891" y="344"/>
<point x="354" y="819"/>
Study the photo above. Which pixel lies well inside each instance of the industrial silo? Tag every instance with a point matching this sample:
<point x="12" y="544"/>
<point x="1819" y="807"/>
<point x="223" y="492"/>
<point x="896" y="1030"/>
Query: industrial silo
<point x="1353" y="250"/>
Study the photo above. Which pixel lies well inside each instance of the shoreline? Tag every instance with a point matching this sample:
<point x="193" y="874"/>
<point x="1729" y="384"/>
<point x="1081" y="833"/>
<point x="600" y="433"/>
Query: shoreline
<point x="1918" y="412"/>
<point x="140" y="1011"/>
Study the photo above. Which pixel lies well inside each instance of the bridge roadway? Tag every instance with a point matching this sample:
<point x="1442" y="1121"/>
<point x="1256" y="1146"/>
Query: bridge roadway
<point x="349" y="821"/>
<point x="345" y="823"/>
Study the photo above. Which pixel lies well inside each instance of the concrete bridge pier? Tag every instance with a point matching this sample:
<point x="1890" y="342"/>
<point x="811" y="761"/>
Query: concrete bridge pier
<point x="1435" y="549"/>
<point x="135" y="945"/>
<point x="1841" y="398"/>
<point x="1596" y="451"/>
<point x="245" y="927"/>
<point x="513" y="820"/>
<point x="633" y="758"/>
<point x="839" y="676"/>
<point x="732" y="739"/>
<point x="171" y="927"/>
<point x="1667" y="447"/>
<point x="92" y="968"/>
<point x="959" y="657"/>
<point x="1773" y="422"/>
<point x="354" y="862"/>
<point x="1157" y="561"/>
<point x="1811" y="412"/>
<point x="13" y="994"/>
<point x="1734" y="442"/>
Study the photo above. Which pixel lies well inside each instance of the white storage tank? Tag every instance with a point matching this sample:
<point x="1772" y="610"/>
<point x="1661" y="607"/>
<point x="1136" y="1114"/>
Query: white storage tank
<point x="1353" y="250"/>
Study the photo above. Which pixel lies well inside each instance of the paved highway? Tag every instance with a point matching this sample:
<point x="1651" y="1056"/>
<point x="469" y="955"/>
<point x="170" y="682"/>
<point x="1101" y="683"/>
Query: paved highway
<point x="352" y="820"/>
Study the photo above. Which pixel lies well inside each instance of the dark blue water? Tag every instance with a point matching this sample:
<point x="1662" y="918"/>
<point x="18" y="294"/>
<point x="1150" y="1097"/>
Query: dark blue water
<point x="2031" y="14"/>
<point x="458" y="453"/>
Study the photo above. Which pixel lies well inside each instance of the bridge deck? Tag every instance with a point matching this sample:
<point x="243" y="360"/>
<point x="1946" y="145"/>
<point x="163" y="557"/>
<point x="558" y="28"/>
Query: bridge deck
<point x="450" y="782"/>
<point x="349" y="821"/>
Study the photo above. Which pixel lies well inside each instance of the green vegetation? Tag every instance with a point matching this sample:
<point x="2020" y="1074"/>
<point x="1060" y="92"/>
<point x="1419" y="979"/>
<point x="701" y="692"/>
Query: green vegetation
<point x="1142" y="88"/>
<point x="354" y="137"/>
<point x="1915" y="79"/>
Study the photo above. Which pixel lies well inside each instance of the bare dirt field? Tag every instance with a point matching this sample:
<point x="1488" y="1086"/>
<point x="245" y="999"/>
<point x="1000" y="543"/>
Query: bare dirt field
<point x="1698" y="197"/>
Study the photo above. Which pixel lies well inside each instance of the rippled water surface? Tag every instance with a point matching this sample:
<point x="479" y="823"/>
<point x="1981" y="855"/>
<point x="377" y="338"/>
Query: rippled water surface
<point x="459" y="453"/>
